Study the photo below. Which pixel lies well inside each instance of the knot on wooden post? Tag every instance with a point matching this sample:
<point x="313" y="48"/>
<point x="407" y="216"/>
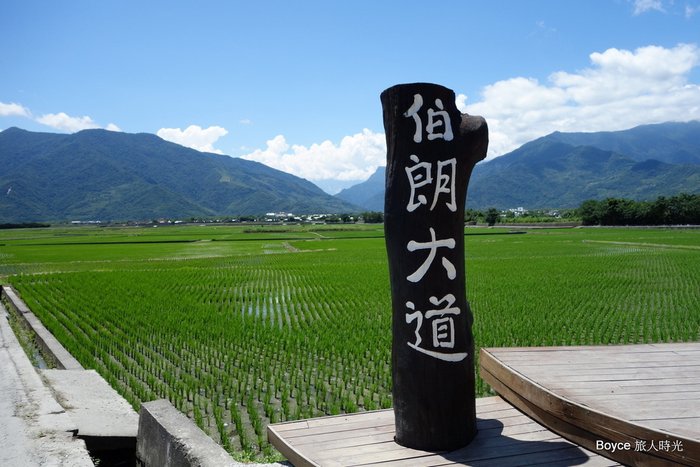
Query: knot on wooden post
<point x="431" y="151"/>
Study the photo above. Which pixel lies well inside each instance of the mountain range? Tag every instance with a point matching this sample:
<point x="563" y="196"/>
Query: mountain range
<point x="561" y="170"/>
<point x="105" y="175"/>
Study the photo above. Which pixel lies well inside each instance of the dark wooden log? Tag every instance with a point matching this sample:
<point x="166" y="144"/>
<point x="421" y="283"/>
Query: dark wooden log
<point x="431" y="151"/>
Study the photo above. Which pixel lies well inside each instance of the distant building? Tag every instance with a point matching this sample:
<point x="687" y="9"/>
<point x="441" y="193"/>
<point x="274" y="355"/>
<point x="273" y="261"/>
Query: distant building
<point x="519" y="211"/>
<point x="278" y="216"/>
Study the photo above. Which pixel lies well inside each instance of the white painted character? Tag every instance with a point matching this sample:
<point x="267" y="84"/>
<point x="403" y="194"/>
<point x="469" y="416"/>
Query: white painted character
<point x="413" y="112"/>
<point x="433" y="246"/>
<point x="437" y="120"/>
<point x="419" y="175"/>
<point x="420" y="179"/>
<point x="442" y="326"/>
<point x="446" y="171"/>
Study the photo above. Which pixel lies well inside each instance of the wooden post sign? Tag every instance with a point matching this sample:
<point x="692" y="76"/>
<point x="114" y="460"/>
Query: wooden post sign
<point x="431" y="151"/>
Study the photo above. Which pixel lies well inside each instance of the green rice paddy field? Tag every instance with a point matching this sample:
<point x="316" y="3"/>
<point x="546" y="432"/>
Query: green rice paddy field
<point x="242" y="326"/>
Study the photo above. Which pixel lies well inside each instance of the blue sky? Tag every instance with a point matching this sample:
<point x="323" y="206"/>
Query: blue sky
<point x="296" y="84"/>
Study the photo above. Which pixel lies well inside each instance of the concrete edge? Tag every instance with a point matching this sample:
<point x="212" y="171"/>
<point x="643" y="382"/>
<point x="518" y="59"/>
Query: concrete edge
<point x="167" y="437"/>
<point x="45" y="340"/>
<point x="96" y="408"/>
<point x="34" y="428"/>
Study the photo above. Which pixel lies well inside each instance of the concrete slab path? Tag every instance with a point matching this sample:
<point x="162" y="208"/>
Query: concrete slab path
<point x="34" y="429"/>
<point x="96" y="408"/>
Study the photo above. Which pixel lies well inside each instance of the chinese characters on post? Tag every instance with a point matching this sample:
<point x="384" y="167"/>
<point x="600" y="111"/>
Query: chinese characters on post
<point x="419" y="176"/>
<point x="442" y="328"/>
<point x="436" y="119"/>
<point x="420" y="180"/>
<point x="431" y="151"/>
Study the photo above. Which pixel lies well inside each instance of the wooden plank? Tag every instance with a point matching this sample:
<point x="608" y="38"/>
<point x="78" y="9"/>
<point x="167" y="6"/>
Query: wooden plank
<point x="578" y="349"/>
<point x="601" y="371"/>
<point x="335" y="442"/>
<point x="601" y="367"/>
<point x="648" y="385"/>
<point x="570" y="455"/>
<point x="338" y="420"/>
<point x="531" y="442"/>
<point x="562" y="426"/>
<point x="505" y="437"/>
<point x="473" y="455"/>
<point x="603" y="360"/>
<point x="559" y="454"/>
<point x="642" y="392"/>
<point x="517" y="424"/>
<point x="648" y="393"/>
<point x="638" y="379"/>
<point x="557" y="459"/>
<point x="644" y="397"/>
<point x="374" y="450"/>
<point x="688" y="353"/>
<point x="295" y="456"/>
<point x="629" y="406"/>
<point x="348" y="428"/>
<point x="551" y="398"/>
<point x="686" y="426"/>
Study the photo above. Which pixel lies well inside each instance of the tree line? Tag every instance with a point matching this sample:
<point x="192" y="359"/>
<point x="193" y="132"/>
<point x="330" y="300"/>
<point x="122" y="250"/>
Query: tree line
<point x="677" y="210"/>
<point x="24" y="225"/>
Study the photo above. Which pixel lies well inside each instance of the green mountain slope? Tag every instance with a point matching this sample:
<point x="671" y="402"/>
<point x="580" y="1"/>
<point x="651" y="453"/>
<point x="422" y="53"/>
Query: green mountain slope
<point x="671" y="142"/>
<point x="563" y="169"/>
<point x="103" y="175"/>
<point x="368" y="194"/>
<point x="549" y="174"/>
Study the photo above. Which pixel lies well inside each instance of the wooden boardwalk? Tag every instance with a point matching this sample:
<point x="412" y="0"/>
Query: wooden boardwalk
<point x="506" y="438"/>
<point x="647" y="396"/>
<point x="559" y="406"/>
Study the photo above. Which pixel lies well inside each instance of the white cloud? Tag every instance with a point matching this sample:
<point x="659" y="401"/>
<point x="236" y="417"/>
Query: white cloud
<point x="195" y="137"/>
<point x="13" y="110"/>
<point x="64" y="122"/>
<point x="690" y="10"/>
<point x="60" y="121"/>
<point x="461" y="101"/>
<point x="642" y="6"/>
<point x="355" y="158"/>
<point x="620" y="90"/>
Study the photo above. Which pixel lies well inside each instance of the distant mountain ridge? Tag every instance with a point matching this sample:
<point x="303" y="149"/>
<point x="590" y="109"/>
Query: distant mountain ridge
<point x="561" y="170"/>
<point x="369" y="194"/>
<point x="673" y="143"/>
<point x="104" y="175"/>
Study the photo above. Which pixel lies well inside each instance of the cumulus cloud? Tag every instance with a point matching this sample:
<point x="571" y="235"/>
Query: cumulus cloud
<point x="13" y="110"/>
<point x="195" y="137"/>
<point x="60" y="121"/>
<point x="64" y="122"/>
<point x="642" y="6"/>
<point x="355" y="158"/>
<point x="620" y="90"/>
